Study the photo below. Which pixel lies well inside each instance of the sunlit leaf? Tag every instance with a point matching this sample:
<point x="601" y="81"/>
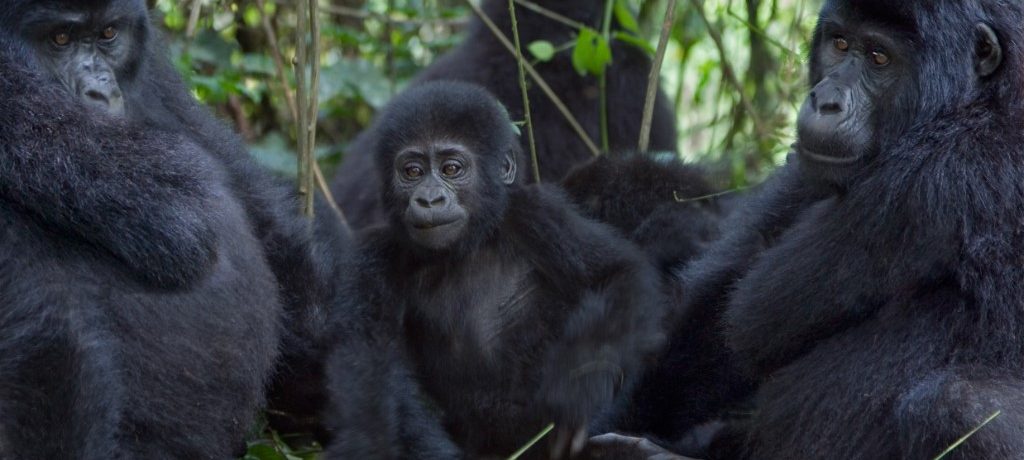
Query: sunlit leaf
<point x="591" y="55"/>
<point x="542" y="50"/>
<point x="625" y="17"/>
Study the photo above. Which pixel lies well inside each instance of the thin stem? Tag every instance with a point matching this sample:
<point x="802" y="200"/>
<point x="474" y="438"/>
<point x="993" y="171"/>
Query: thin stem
<point x="293" y="110"/>
<point x="522" y="89"/>
<point x="652" y="78"/>
<point x="603" y="79"/>
<point x="301" y="95"/>
<point x="569" y="118"/>
<point x="550" y="14"/>
<point x="727" y="71"/>
<point x="314" y="103"/>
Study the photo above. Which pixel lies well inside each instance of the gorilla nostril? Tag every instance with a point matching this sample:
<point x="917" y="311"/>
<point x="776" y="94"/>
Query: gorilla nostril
<point x="438" y="200"/>
<point x="96" y="96"/>
<point x="830" y="108"/>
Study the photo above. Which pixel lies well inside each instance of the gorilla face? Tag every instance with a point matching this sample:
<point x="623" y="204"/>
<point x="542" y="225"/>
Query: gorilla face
<point x="856" y="66"/>
<point x="432" y="178"/>
<point x="440" y="181"/>
<point x="866" y="75"/>
<point x="88" y="50"/>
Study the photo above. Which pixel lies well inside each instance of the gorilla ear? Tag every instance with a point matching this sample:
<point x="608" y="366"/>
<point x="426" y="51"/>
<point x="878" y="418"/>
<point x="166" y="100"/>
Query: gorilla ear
<point x="988" y="55"/>
<point x="508" y="173"/>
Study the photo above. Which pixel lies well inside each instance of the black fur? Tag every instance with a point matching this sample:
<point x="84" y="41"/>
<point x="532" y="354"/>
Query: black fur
<point x="138" y="318"/>
<point x="669" y="208"/>
<point x="158" y="232"/>
<point x="883" y="313"/>
<point x="538" y="316"/>
<point x="665" y="206"/>
<point x="481" y="59"/>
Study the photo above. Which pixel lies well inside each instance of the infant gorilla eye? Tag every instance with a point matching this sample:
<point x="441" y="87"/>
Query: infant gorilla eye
<point x="880" y="58"/>
<point x="451" y="169"/>
<point x="841" y="44"/>
<point x="413" y="172"/>
<point x="109" y="33"/>
<point x="61" y="38"/>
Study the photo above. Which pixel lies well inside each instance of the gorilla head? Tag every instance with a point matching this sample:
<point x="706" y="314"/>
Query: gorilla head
<point x="93" y="48"/>
<point x="447" y="155"/>
<point x="871" y="80"/>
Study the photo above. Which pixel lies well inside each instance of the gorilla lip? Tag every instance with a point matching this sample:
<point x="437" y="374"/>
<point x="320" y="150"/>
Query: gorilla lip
<point x="827" y="159"/>
<point x="430" y="225"/>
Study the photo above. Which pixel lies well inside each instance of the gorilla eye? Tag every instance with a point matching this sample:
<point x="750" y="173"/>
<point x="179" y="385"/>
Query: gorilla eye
<point x="840" y="43"/>
<point x="109" y="33"/>
<point x="413" y="172"/>
<point x="451" y="169"/>
<point x="61" y="38"/>
<point x="880" y="59"/>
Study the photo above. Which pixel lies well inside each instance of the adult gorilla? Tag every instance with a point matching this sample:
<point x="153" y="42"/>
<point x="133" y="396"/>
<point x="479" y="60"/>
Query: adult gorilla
<point x="138" y="318"/>
<point x="73" y="166"/>
<point x="483" y="60"/>
<point x="877" y="288"/>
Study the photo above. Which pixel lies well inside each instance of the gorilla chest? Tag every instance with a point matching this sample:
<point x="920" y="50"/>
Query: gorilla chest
<point x="479" y="316"/>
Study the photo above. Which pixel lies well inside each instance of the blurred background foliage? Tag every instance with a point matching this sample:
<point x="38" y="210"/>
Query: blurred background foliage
<point x="734" y="69"/>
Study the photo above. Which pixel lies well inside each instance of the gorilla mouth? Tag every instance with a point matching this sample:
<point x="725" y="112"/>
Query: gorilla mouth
<point x="429" y="225"/>
<point x="826" y="159"/>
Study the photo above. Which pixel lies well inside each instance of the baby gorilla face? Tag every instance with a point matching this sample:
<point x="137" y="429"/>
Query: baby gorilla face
<point x="432" y="177"/>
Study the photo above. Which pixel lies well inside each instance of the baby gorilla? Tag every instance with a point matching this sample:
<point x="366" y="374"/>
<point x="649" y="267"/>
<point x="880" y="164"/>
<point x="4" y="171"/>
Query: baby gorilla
<point x="512" y="310"/>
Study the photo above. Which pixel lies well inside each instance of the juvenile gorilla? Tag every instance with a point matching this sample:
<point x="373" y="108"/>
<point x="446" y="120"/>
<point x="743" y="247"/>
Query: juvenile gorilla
<point x="668" y="208"/>
<point x="483" y="60"/>
<point x="100" y="167"/>
<point x="510" y="309"/>
<point x="876" y="288"/>
<point x="664" y="205"/>
<point x="138" y="318"/>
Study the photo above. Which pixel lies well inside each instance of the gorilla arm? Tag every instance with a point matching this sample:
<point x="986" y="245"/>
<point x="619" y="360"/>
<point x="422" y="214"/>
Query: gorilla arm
<point x="614" y="325"/>
<point x="137" y="195"/>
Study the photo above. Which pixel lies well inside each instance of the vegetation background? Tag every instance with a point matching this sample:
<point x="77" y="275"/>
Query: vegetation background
<point x="735" y="70"/>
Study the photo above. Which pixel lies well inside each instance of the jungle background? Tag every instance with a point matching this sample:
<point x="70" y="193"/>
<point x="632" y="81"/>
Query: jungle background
<point x="735" y="70"/>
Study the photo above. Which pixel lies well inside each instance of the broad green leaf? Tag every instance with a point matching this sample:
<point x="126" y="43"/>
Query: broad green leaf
<point x="625" y="17"/>
<point x="591" y="53"/>
<point x="543" y="50"/>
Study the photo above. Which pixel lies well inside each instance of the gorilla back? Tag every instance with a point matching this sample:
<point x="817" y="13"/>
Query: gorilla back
<point x="138" y="318"/>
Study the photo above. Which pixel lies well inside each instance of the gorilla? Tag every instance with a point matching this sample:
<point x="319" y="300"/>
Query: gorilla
<point x="487" y="306"/>
<point x="669" y="209"/>
<point x="138" y="318"/>
<point x="122" y="189"/>
<point x="665" y="206"/>
<point x="483" y="60"/>
<point x="874" y="288"/>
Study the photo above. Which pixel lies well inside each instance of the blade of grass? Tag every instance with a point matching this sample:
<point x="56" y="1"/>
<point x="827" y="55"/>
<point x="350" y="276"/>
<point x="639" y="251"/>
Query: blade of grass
<point x="964" y="438"/>
<point x="535" y="440"/>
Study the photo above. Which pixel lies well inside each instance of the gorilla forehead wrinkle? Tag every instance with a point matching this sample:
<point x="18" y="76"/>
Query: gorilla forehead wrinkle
<point x="25" y="12"/>
<point x="443" y="111"/>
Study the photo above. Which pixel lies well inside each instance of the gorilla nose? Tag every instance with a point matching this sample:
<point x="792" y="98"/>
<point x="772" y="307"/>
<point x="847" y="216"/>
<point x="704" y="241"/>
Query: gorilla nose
<point x="831" y="101"/>
<point x="103" y="95"/>
<point x="430" y="200"/>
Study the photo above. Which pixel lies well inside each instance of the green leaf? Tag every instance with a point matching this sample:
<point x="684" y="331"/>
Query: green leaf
<point x="635" y="41"/>
<point x="543" y="50"/>
<point x="625" y="17"/>
<point x="591" y="53"/>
